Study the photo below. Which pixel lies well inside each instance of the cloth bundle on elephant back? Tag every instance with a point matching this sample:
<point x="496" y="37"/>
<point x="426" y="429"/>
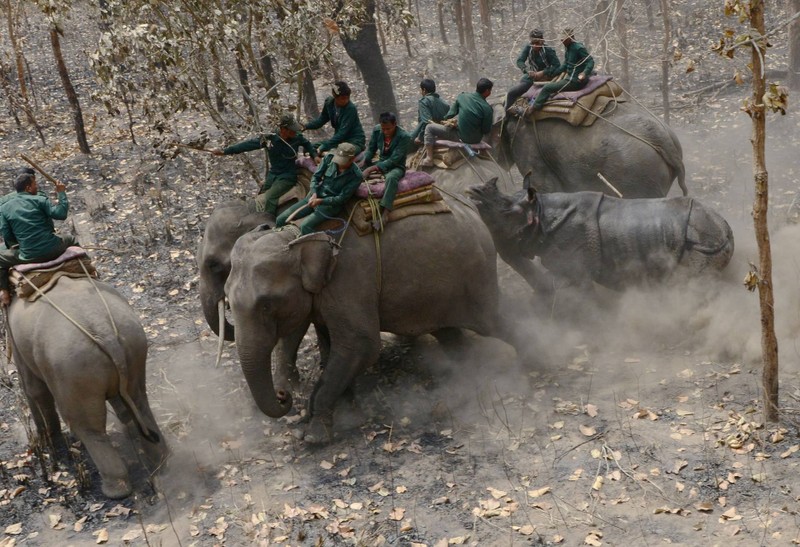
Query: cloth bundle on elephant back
<point x="581" y="107"/>
<point x="75" y="349"/>
<point x="455" y="170"/>
<point x="34" y="280"/>
<point x="352" y="292"/>
<point x="628" y="146"/>
<point x="617" y="243"/>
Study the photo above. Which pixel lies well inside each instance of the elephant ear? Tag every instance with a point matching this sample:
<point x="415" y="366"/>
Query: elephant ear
<point x="317" y="261"/>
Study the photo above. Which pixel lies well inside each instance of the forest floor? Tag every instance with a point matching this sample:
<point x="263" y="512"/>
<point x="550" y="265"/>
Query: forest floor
<point x="639" y="423"/>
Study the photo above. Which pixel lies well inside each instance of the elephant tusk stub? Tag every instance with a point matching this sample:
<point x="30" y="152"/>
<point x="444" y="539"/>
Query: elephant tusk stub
<point x="221" y="331"/>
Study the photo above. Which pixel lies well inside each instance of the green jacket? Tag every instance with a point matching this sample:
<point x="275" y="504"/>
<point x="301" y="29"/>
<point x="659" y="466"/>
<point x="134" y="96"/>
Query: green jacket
<point x="576" y="61"/>
<point x="474" y="116"/>
<point x="394" y="157"/>
<point x="332" y="187"/>
<point x="431" y="109"/>
<point x="281" y="154"/>
<point x="27" y="219"/>
<point x="345" y="122"/>
<point x="545" y="59"/>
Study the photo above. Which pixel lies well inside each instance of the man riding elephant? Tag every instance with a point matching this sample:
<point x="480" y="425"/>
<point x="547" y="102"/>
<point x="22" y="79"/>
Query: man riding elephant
<point x="537" y="62"/>
<point x="577" y="68"/>
<point x="282" y="150"/>
<point x="473" y="119"/>
<point x="431" y="108"/>
<point x="334" y="182"/>
<point x="26" y="224"/>
<point x="391" y="144"/>
<point x="342" y="113"/>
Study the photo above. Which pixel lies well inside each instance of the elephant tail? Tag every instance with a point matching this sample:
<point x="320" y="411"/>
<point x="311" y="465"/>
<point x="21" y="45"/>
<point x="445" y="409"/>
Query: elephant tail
<point x="116" y="352"/>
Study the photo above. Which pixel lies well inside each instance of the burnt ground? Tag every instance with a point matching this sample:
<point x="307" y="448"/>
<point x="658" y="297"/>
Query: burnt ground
<point x="633" y="419"/>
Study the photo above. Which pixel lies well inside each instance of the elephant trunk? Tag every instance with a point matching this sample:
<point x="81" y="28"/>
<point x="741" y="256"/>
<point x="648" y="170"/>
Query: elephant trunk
<point x="214" y="313"/>
<point x="255" y="356"/>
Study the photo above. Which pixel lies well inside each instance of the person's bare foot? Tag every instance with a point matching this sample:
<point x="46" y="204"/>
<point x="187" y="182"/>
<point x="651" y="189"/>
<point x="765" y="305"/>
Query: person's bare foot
<point x="426" y="162"/>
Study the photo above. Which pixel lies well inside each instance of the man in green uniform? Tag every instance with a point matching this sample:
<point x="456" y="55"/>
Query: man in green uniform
<point x="343" y="115"/>
<point x="577" y="67"/>
<point x="334" y="182"/>
<point x="391" y="144"/>
<point x="431" y="108"/>
<point x="26" y="224"/>
<point x="282" y="151"/>
<point x="537" y="62"/>
<point x="474" y="119"/>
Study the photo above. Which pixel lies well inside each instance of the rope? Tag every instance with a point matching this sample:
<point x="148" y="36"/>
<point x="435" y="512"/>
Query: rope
<point x="456" y="197"/>
<point x="375" y="209"/>
<point x="463" y="155"/>
<point x="105" y="303"/>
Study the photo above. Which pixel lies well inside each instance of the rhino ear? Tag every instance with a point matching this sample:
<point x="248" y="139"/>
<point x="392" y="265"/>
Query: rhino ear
<point x="317" y="262"/>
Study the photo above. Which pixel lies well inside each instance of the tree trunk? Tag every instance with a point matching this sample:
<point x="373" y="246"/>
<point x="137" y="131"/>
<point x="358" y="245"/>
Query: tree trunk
<point x="265" y="62"/>
<point x="363" y="49"/>
<point x="459" y="15"/>
<point x="769" y="343"/>
<point x="244" y="81"/>
<point x="19" y="60"/>
<point x="72" y="97"/>
<point x="665" y="57"/>
<point x="310" y="104"/>
<point x="648" y="6"/>
<point x="622" y="31"/>
<point x="381" y="35"/>
<point x="407" y="41"/>
<point x="794" y="47"/>
<point x="5" y="80"/>
<point x="440" y="13"/>
<point x="469" y="30"/>
<point x="486" y="25"/>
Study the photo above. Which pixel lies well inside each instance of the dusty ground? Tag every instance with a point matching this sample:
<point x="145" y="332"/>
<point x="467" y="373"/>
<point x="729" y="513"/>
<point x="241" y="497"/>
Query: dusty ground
<point x="636" y="422"/>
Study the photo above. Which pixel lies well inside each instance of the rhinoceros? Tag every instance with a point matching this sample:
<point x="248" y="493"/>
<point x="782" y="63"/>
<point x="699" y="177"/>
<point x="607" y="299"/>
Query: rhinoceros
<point x="590" y="236"/>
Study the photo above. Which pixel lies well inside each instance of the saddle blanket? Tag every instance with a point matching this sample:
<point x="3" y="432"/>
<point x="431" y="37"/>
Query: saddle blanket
<point x="27" y="278"/>
<point x="410" y="181"/>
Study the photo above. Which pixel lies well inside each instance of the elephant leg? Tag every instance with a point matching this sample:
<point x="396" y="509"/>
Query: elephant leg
<point x="347" y="358"/>
<point x="43" y="408"/>
<point x="286" y="376"/>
<point x="87" y="421"/>
<point x="155" y="454"/>
<point x="453" y="342"/>
<point x="324" y="344"/>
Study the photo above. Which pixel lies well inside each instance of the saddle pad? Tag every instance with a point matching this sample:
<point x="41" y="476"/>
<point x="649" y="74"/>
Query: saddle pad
<point x="425" y="194"/>
<point x="594" y="83"/>
<point x="45" y="279"/>
<point x="363" y="225"/>
<point x="411" y="180"/>
<point x="69" y="254"/>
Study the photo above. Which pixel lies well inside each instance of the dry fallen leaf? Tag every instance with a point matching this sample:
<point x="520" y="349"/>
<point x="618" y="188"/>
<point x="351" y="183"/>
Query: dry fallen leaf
<point x="496" y="494"/>
<point x="591" y="410"/>
<point x="705" y="506"/>
<point x="526" y="530"/>
<point x="102" y="536"/>
<point x="539" y="492"/>
<point x="397" y="514"/>
<point x="587" y="430"/>
<point x="326" y="464"/>
<point x="14" y="529"/>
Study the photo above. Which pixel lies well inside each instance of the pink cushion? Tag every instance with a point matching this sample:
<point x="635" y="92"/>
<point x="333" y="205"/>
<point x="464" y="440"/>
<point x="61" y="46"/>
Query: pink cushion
<point x="411" y="180"/>
<point x="592" y="85"/>
<point x="306" y="163"/>
<point x="69" y="254"/>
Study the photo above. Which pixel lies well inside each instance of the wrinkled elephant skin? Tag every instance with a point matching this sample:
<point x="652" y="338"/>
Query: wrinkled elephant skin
<point x="437" y="273"/>
<point x="62" y="366"/>
<point x="617" y="243"/>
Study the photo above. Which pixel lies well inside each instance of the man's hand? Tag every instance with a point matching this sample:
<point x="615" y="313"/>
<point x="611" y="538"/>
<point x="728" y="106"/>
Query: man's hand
<point x="216" y="152"/>
<point x="369" y="170"/>
<point x="61" y="187"/>
<point x="318" y="157"/>
<point x="313" y="201"/>
<point x="417" y="141"/>
<point x="581" y="76"/>
<point x="5" y="297"/>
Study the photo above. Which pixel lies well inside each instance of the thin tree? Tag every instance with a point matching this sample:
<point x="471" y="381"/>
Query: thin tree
<point x="72" y="97"/>
<point x="666" y="45"/>
<point x="486" y="25"/>
<point x="440" y="14"/>
<point x="458" y="13"/>
<point x="469" y="30"/>
<point x="793" y="79"/>
<point x="764" y="97"/>
<point x="621" y="25"/>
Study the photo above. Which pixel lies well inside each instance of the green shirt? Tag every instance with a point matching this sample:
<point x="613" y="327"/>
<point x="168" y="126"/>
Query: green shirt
<point x="332" y="187"/>
<point x="345" y="122"/>
<point x="545" y="59"/>
<point x="431" y="109"/>
<point x="576" y="61"/>
<point x="474" y="116"/>
<point x="27" y="219"/>
<point x="392" y="158"/>
<point x="280" y="153"/>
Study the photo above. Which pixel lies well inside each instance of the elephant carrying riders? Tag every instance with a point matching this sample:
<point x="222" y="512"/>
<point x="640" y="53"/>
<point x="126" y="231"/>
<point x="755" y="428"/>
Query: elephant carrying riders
<point x="282" y="149"/>
<point x="391" y="144"/>
<point x="473" y="117"/>
<point x="343" y="116"/>
<point x="537" y="62"/>
<point x="577" y="68"/>
<point x="26" y="224"/>
<point x="334" y="182"/>
<point x="431" y="108"/>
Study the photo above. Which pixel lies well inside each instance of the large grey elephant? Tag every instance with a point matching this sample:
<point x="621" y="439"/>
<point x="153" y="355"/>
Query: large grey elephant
<point x="469" y="173"/>
<point x="77" y="347"/>
<point x="589" y="236"/>
<point x="635" y="152"/>
<point x="435" y="274"/>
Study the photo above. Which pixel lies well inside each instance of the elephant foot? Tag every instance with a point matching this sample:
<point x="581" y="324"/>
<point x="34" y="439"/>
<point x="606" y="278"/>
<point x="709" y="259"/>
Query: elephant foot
<point x="116" y="489"/>
<point x="319" y="430"/>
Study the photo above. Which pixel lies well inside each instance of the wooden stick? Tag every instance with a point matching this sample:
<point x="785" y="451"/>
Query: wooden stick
<point x="42" y="171"/>
<point x="609" y="184"/>
<point x="288" y="220"/>
<point x="190" y="147"/>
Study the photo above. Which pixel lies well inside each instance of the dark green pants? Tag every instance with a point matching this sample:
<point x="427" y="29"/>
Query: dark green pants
<point x="552" y="88"/>
<point x="390" y="188"/>
<point x="10" y="257"/>
<point x="313" y="217"/>
<point x="273" y="188"/>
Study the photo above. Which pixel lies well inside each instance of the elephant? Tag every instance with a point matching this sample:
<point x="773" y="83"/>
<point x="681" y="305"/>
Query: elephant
<point x="638" y="154"/>
<point x="471" y="172"/>
<point x="589" y="237"/>
<point x="75" y="348"/>
<point x="280" y="283"/>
